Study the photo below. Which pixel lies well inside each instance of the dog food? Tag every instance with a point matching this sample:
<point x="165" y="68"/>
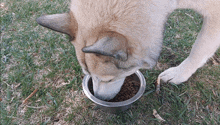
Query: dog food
<point x="128" y="89"/>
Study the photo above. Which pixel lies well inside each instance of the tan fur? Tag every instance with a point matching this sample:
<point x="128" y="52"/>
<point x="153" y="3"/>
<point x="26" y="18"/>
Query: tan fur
<point x="138" y="25"/>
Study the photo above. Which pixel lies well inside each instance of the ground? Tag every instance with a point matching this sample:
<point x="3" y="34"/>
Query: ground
<point x="34" y="58"/>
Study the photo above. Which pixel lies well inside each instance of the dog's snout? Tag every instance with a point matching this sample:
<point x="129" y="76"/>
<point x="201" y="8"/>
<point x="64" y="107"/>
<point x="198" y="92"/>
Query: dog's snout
<point x="106" y="91"/>
<point x="103" y="97"/>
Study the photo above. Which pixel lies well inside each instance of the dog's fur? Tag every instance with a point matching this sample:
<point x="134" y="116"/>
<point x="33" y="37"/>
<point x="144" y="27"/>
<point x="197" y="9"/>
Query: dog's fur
<point x="114" y="38"/>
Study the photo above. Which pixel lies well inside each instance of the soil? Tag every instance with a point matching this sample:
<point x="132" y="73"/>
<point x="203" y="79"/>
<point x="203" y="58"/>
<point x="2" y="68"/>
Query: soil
<point x="128" y="90"/>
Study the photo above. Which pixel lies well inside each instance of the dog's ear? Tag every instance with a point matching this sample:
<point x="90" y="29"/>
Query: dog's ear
<point x="109" y="46"/>
<point x="64" y="23"/>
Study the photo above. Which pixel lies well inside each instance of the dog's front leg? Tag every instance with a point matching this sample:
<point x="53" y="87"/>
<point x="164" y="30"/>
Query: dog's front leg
<point x="204" y="47"/>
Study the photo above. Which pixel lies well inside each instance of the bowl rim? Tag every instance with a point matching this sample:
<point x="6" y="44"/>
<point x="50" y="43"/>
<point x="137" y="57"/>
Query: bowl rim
<point x="115" y="104"/>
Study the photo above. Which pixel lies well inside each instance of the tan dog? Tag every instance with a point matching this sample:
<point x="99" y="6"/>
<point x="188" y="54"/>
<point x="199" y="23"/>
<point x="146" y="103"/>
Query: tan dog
<point x="114" y="38"/>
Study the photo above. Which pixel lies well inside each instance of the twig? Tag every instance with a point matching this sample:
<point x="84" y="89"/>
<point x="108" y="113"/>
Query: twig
<point x="25" y="101"/>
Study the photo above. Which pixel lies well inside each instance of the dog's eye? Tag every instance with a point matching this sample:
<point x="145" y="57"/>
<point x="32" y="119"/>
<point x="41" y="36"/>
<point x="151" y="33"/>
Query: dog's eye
<point x="108" y="81"/>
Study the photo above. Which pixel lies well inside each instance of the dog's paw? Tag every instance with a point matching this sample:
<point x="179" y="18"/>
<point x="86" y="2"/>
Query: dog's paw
<point x="176" y="75"/>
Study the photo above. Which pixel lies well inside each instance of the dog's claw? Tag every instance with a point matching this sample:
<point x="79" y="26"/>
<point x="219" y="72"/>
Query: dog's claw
<point x="157" y="84"/>
<point x="158" y="89"/>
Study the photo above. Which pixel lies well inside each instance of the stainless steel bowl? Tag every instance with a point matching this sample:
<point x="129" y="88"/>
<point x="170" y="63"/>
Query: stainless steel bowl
<point x="114" y="107"/>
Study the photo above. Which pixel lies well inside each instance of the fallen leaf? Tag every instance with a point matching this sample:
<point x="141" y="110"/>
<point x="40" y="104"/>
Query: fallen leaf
<point x="157" y="116"/>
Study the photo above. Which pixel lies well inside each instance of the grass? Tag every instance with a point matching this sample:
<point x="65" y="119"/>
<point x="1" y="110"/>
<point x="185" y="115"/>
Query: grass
<point x="33" y="57"/>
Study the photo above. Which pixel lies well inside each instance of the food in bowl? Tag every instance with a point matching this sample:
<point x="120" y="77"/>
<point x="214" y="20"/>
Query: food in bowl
<point x="130" y="88"/>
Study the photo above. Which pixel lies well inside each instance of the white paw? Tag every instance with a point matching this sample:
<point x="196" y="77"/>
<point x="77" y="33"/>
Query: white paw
<point x="175" y="75"/>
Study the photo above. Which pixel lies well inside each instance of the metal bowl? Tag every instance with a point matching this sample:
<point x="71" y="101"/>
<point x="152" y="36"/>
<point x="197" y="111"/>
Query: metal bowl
<point x="115" y="107"/>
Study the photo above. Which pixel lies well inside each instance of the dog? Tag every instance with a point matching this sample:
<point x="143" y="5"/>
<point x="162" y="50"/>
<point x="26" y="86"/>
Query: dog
<point x="115" y="38"/>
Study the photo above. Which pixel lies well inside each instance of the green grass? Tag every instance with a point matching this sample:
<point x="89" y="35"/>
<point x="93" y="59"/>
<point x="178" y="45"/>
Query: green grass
<point x="34" y="57"/>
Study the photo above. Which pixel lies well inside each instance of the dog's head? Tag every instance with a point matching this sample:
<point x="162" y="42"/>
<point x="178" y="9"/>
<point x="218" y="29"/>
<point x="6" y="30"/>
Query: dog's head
<point x="106" y="44"/>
